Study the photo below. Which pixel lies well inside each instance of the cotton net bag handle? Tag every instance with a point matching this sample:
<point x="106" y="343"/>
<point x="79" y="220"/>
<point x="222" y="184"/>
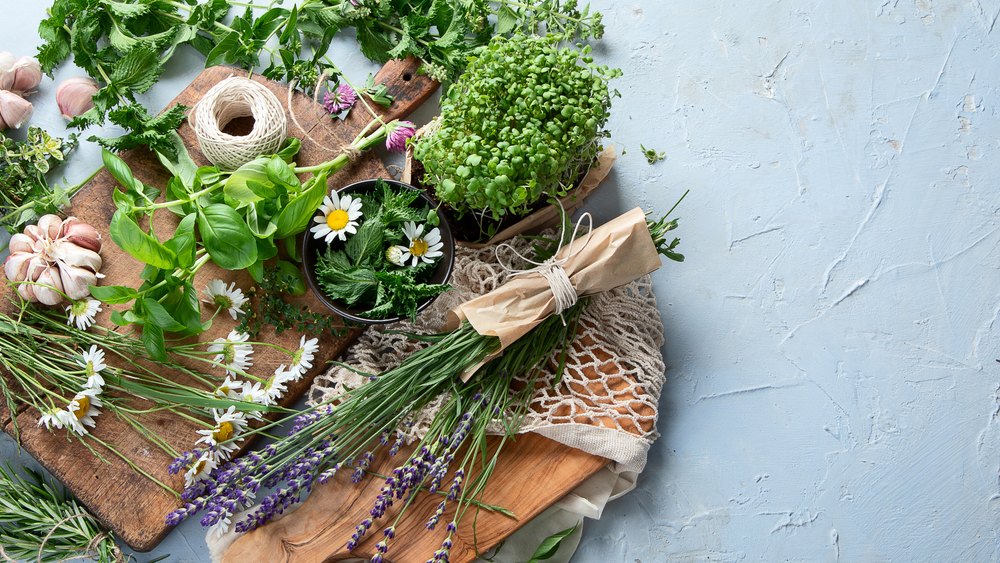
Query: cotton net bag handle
<point x="239" y="97"/>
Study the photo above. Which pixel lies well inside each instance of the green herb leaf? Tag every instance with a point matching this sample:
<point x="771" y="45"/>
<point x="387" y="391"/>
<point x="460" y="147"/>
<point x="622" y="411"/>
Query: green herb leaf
<point x="226" y="237"/>
<point x="127" y="234"/>
<point x="550" y="545"/>
<point x="113" y="294"/>
<point x="367" y="241"/>
<point x="294" y="218"/>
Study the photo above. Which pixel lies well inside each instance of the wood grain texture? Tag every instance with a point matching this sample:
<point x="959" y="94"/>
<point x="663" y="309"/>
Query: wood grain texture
<point x="532" y="473"/>
<point x="128" y="503"/>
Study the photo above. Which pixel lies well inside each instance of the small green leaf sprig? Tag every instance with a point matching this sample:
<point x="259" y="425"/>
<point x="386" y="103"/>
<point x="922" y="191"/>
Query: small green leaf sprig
<point x="525" y="119"/>
<point x="369" y="269"/>
<point x="651" y="155"/>
<point x="268" y="307"/>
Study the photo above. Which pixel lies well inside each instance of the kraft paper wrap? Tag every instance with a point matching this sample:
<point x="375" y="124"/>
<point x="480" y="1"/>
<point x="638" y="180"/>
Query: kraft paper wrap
<point x="617" y="253"/>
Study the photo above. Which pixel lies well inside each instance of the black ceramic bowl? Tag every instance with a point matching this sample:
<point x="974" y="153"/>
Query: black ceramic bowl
<point x="312" y="246"/>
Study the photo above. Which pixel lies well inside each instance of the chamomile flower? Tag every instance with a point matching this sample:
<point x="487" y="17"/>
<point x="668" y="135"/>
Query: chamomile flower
<point x="53" y="417"/>
<point x="230" y="389"/>
<point x="226" y="432"/>
<point x="221" y="526"/>
<point x="230" y="298"/>
<point x="234" y="353"/>
<point x="83" y="409"/>
<point x="275" y="388"/>
<point x="340" y="218"/>
<point x="83" y="312"/>
<point x="422" y="247"/>
<point x="252" y="393"/>
<point x="93" y="364"/>
<point x="394" y="254"/>
<point x="303" y="357"/>
<point x="200" y="469"/>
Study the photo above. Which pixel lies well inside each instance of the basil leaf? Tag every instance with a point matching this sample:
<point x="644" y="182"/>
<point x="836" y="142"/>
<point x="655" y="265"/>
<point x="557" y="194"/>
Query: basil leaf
<point x="226" y="237"/>
<point x="236" y="185"/>
<point x="183" y="242"/>
<point x="279" y="172"/>
<point x="127" y="234"/>
<point x="152" y="338"/>
<point x="181" y="166"/>
<point x="218" y="55"/>
<point x="158" y="315"/>
<point x="289" y="149"/>
<point x="118" y="169"/>
<point x="254" y="222"/>
<point x="113" y="294"/>
<point x="294" y="218"/>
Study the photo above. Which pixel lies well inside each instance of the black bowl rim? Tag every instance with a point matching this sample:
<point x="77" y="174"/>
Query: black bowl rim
<point x="350" y="313"/>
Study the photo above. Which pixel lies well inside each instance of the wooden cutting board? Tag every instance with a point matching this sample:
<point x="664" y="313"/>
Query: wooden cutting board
<point x="128" y="503"/>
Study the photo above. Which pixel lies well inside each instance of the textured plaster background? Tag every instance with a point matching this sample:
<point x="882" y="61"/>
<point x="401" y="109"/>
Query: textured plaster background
<point x="833" y="390"/>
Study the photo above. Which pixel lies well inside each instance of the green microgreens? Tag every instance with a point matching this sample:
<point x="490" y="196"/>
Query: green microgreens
<point x="525" y="119"/>
<point x="651" y="155"/>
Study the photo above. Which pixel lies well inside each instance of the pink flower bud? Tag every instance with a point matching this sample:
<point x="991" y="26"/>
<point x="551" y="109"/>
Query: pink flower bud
<point x="75" y="96"/>
<point x="27" y="74"/>
<point x="15" y="111"/>
<point x="7" y="60"/>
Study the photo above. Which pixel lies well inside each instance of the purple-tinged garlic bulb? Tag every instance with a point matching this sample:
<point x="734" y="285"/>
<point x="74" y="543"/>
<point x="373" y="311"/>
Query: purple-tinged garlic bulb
<point x="15" y="111"/>
<point x="61" y="256"/>
<point x="75" y="96"/>
<point x="27" y="74"/>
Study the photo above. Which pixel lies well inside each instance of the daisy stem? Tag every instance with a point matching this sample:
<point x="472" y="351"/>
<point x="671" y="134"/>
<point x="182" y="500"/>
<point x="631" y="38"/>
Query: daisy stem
<point x="133" y="465"/>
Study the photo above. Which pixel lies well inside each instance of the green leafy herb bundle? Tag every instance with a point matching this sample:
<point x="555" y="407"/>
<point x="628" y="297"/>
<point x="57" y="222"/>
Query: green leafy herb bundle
<point x="524" y="120"/>
<point x="362" y="273"/>
<point x="41" y="521"/>
<point x="124" y="44"/>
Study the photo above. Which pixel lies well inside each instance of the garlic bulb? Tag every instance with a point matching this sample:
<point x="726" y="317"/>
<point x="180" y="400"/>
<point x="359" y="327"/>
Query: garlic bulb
<point x="15" y="111"/>
<point x="75" y="96"/>
<point x="27" y="74"/>
<point x="62" y="257"/>
<point x="7" y="60"/>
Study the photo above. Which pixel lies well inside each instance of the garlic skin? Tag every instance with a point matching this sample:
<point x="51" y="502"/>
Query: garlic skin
<point x="75" y="96"/>
<point x="7" y="61"/>
<point x="15" y="111"/>
<point x="62" y="256"/>
<point x="27" y="74"/>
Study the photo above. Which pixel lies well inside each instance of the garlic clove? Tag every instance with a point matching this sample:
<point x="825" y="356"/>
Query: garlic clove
<point x="36" y="265"/>
<point x="20" y="242"/>
<point x="81" y="234"/>
<point x="7" y="60"/>
<point x="66" y="252"/>
<point x="27" y="74"/>
<point x="75" y="96"/>
<point x="51" y="289"/>
<point x="50" y="225"/>
<point x="34" y="233"/>
<point x="15" y="110"/>
<point x="16" y="266"/>
<point x="76" y="281"/>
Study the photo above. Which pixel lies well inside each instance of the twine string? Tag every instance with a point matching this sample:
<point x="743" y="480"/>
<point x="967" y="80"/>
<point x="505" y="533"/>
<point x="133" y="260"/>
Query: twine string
<point x="552" y="269"/>
<point x="239" y="97"/>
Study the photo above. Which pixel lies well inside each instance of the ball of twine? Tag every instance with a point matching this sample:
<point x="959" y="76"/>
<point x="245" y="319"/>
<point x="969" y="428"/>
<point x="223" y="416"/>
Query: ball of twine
<point x="239" y="97"/>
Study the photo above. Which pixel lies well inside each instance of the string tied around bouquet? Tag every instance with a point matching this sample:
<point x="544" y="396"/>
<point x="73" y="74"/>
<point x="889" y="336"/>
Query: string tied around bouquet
<point x="552" y="269"/>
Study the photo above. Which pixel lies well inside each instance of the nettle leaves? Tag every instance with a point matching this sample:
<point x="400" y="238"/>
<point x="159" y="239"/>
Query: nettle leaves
<point x="236" y="222"/>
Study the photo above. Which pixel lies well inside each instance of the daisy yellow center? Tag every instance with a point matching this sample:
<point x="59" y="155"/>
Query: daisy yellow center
<point x="223" y="432"/>
<point x="223" y="302"/>
<point x="228" y="353"/>
<point x="297" y="357"/>
<point x="337" y="219"/>
<point x="79" y="308"/>
<point x="418" y="247"/>
<point x="200" y="466"/>
<point x="82" y="406"/>
<point x="224" y="390"/>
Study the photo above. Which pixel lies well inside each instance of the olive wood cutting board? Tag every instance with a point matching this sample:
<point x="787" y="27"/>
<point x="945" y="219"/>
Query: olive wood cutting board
<point x="128" y="503"/>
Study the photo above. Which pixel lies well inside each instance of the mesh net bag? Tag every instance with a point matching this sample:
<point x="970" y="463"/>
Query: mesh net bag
<point x="606" y="401"/>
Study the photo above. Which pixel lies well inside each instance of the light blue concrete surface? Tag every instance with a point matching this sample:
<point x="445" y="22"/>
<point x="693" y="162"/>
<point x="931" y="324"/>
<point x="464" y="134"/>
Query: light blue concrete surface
<point x="832" y="388"/>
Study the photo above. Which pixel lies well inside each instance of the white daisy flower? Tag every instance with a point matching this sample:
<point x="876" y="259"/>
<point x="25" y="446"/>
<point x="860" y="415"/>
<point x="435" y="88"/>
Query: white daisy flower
<point x="303" y="357"/>
<point x="93" y="364"/>
<point x="253" y="393"/>
<point x="230" y="389"/>
<point x="340" y="217"/>
<point x="275" y="388"/>
<point x="200" y="469"/>
<point x="54" y="417"/>
<point x="83" y="409"/>
<point x="235" y="355"/>
<point x="394" y="254"/>
<point x="424" y="248"/>
<point x="83" y="312"/>
<point x="226" y="432"/>
<point x="230" y="298"/>
<point x="220" y="528"/>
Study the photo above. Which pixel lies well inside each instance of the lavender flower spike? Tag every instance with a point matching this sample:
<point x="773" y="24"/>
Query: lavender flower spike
<point x="397" y="133"/>
<point x="340" y="99"/>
